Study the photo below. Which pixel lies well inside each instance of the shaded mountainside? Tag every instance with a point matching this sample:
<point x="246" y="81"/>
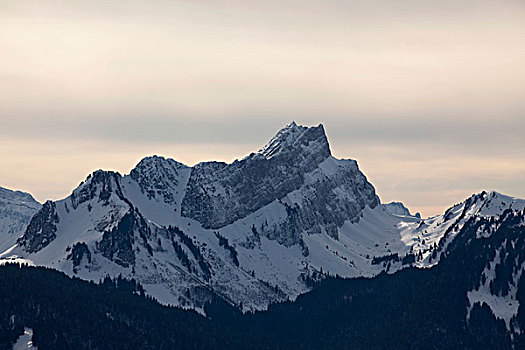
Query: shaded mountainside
<point x="411" y="309"/>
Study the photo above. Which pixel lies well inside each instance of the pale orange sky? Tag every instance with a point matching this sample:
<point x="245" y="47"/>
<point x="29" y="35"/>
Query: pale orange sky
<point x="429" y="96"/>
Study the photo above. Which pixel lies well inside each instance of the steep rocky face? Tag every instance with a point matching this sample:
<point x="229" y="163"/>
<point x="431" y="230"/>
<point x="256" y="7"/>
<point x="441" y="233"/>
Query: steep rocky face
<point x="219" y="194"/>
<point x="99" y="185"/>
<point x="41" y="230"/>
<point x="79" y="251"/>
<point x="159" y="177"/>
<point x="332" y="194"/>
<point x="16" y="210"/>
<point x="117" y="243"/>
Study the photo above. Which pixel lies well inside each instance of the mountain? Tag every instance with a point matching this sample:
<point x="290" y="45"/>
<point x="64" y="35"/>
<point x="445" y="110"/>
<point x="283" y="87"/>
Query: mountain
<point x="16" y="210"/>
<point x="258" y="231"/>
<point x="398" y="208"/>
<point x="253" y="231"/>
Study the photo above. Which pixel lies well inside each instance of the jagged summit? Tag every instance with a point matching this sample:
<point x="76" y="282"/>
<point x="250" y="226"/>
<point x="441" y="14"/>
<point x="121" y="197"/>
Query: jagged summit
<point x="297" y="137"/>
<point x="488" y="203"/>
<point x="157" y="162"/>
<point x="292" y="138"/>
<point x="159" y="176"/>
<point x="219" y="194"/>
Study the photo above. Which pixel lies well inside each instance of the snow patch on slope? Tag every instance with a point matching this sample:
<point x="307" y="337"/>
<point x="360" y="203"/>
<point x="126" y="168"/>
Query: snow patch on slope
<point x="25" y="341"/>
<point x="504" y="307"/>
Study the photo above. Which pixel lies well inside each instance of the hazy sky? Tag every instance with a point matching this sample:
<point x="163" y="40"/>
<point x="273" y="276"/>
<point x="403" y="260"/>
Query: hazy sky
<point x="428" y="96"/>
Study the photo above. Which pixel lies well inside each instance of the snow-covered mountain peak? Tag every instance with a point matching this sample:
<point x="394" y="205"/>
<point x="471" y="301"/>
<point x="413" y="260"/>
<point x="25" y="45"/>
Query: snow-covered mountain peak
<point x="487" y="204"/>
<point x="100" y="185"/>
<point x="297" y="138"/>
<point x="295" y="165"/>
<point x="157" y="163"/>
<point x="16" y="210"/>
<point x="160" y="178"/>
<point x="496" y="203"/>
<point x="18" y="196"/>
<point x="398" y="208"/>
<point x="432" y="236"/>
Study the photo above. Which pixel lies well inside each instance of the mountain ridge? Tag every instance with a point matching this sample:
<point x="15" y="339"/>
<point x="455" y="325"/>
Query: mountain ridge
<point x="256" y="231"/>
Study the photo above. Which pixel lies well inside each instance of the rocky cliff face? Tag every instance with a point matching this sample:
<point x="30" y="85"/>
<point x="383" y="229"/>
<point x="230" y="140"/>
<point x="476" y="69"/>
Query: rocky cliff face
<point x="41" y="230"/>
<point x="219" y="194"/>
<point x="98" y="186"/>
<point x="159" y="177"/>
<point x="296" y="169"/>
